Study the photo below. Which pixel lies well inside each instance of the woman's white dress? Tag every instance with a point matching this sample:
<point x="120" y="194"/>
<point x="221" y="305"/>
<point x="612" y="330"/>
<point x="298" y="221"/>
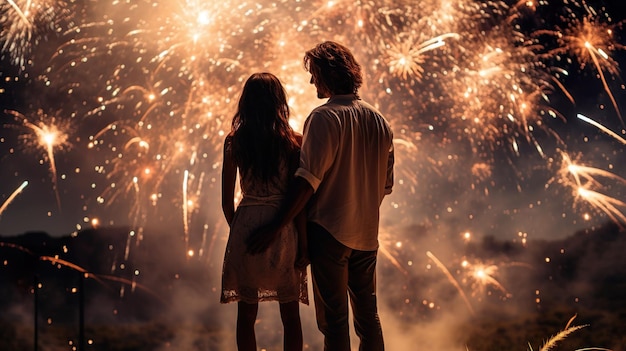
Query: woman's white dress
<point x="269" y="276"/>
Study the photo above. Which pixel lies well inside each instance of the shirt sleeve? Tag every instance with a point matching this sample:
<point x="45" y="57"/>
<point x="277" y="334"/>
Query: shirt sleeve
<point x="319" y="148"/>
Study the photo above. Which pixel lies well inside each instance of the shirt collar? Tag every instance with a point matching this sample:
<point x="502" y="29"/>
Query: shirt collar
<point x="344" y="97"/>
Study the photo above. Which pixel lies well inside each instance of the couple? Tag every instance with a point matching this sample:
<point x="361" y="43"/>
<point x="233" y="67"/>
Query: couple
<point x="327" y="214"/>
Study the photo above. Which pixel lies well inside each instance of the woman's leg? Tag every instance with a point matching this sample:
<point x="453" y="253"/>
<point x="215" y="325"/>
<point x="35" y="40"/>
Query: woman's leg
<point x="246" y="317"/>
<point x="290" y="316"/>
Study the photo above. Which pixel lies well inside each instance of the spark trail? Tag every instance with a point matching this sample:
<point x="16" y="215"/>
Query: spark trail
<point x="11" y="197"/>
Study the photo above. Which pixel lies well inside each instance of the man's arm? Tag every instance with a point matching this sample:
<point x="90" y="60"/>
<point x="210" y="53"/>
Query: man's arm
<point x="390" y="164"/>
<point x="297" y="197"/>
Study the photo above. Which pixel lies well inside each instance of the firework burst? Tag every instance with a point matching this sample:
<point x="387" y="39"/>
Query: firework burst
<point x="585" y="184"/>
<point x="25" y="23"/>
<point x="591" y="40"/>
<point x="480" y="275"/>
<point x="47" y="133"/>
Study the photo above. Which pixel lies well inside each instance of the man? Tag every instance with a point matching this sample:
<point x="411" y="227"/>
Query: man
<point x="346" y="168"/>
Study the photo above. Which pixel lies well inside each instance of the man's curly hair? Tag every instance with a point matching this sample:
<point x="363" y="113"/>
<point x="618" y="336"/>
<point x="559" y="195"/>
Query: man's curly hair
<point x="334" y="67"/>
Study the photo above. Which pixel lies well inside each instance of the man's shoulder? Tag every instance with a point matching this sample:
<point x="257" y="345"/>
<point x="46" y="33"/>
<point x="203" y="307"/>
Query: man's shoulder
<point x="324" y="110"/>
<point x="377" y="115"/>
<point x="366" y="105"/>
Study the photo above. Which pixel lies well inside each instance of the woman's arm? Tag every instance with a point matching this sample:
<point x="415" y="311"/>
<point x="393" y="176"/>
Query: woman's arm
<point x="229" y="177"/>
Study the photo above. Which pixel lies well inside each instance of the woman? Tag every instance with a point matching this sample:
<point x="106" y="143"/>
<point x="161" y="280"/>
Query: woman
<point x="263" y="147"/>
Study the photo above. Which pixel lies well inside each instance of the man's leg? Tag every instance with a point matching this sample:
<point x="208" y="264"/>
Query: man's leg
<point x="362" y="288"/>
<point x="329" y="273"/>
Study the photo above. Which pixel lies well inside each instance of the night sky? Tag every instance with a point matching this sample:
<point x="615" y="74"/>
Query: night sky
<point x="483" y="98"/>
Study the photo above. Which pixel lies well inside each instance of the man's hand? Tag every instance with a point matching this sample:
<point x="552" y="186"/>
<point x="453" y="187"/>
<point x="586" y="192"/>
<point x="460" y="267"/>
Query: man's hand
<point x="302" y="261"/>
<point x="260" y="239"/>
<point x="297" y="197"/>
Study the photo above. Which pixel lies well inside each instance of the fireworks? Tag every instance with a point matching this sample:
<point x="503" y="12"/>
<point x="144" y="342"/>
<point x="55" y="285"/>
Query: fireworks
<point x="590" y="39"/>
<point x="24" y="23"/>
<point x="585" y="183"/>
<point x="17" y="191"/>
<point x="482" y="275"/>
<point x="498" y="93"/>
<point x="452" y="280"/>
<point x="45" y="134"/>
<point x="406" y="58"/>
<point x="602" y="128"/>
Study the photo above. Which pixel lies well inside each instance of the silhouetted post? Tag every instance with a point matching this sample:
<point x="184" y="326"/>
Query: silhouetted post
<point x="81" y="312"/>
<point x="36" y="308"/>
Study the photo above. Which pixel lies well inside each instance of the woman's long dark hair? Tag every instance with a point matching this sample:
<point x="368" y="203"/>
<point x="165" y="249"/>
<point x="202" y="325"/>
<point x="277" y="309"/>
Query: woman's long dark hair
<point x="261" y="134"/>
